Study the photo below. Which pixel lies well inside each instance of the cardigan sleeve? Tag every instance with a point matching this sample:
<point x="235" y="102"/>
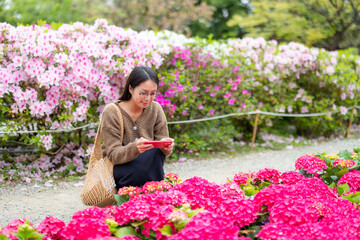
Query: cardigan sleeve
<point x="161" y="128"/>
<point x="112" y="141"/>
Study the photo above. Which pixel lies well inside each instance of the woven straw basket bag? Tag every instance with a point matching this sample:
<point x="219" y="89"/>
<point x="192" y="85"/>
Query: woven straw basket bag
<point x="99" y="187"/>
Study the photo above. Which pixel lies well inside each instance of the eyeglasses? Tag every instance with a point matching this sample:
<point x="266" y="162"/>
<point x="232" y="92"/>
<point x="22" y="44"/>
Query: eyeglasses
<point x="145" y="94"/>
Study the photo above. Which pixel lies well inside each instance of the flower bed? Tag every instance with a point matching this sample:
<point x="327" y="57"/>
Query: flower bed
<point x="58" y="78"/>
<point x="318" y="201"/>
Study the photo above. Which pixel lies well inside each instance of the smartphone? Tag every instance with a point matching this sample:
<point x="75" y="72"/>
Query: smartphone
<point x="159" y="144"/>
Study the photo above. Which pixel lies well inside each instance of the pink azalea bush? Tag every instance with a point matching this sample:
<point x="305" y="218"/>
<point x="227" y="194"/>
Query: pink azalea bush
<point x="56" y="79"/>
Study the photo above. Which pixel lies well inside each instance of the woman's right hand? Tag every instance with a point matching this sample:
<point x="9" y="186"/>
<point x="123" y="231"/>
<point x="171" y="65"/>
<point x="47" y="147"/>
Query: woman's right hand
<point x="141" y="146"/>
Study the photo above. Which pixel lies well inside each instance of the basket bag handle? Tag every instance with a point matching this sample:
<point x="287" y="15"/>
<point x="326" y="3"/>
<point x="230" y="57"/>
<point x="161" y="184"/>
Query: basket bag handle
<point x="97" y="151"/>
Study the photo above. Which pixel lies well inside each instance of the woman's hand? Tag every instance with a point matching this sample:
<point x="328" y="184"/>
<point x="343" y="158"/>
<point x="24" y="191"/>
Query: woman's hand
<point x="169" y="147"/>
<point x="141" y="146"/>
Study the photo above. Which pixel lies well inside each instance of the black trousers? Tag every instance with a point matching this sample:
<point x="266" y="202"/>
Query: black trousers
<point x="147" y="166"/>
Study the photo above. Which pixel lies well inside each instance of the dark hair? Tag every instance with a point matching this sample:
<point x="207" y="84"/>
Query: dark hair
<point x="138" y="75"/>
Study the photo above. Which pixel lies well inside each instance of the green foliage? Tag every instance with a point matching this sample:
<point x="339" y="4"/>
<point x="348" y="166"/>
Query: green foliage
<point x="3" y="237"/>
<point x="120" y="231"/>
<point x="323" y="23"/>
<point x="217" y="27"/>
<point x="353" y="197"/>
<point x="27" y="232"/>
<point x="120" y="199"/>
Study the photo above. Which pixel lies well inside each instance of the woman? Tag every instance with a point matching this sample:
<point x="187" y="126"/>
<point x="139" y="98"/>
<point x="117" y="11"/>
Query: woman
<point x="136" y="162"/>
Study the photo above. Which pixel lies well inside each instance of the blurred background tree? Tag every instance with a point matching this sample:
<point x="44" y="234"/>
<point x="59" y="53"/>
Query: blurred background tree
<point x="173" y="15"/>
<point x="329" y="24"/>
<point x="217" y="27"/>
<point x="30" y="11"/>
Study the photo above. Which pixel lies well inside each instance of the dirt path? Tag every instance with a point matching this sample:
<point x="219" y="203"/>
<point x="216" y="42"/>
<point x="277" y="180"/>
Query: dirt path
<point x="36" y="202"/>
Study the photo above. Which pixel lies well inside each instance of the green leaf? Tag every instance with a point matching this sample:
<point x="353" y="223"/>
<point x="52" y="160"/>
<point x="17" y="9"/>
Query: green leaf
<point x="345" y="154"/>
<point x="326" y="160"/>
<point x="113" y="226"/>
<point x="353" y="197"/>
<point x="137" y="224"/>
<point x="3" y="237"/>
<point x="27" y="232"/>
<point x="120" y="199"/>
<point x="343" y="188"/>
<point x="125" y="231"/>
<point x="332" y="185"/>
<point x="181" y="224"/>
<point x="166" y="230"/>
<point x="356" y="150"/>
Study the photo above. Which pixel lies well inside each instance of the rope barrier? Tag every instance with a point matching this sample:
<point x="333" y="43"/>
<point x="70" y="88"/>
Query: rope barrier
<point x="94" y="125"/>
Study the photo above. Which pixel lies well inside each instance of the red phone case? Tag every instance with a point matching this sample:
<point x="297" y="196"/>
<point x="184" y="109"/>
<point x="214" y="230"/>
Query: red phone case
<point x="159" y="144"/>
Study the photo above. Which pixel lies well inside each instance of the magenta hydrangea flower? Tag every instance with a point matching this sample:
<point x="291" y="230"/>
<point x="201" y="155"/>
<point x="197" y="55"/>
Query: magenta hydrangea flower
<point x="290" y="177"/>
<point x="352" y="178"/>
<point x="276" y="231"/>
<point x="84" y="228"/>
<point x="293" y="212"/>
<point x="154" y="215"/>
<point x="313" y="231"/>
<point x="241" y="212"/>
<point x="12" y="227"/>
<point x="344" y="162"/>
<point x="268" y="174"/>
<point x="173" y="178"/>
<point x="91" y="212"/>
<point x="207" y="225"/>
<point x="267" y="197"/>
<point x="310" y="164"/>
<point x="154" y="186"/>
<point x="172" y="197"/>
<point x="232" y="190"/>
<point x="199" y="192"/>
<point x="52" y="228"/>
<point x="241" y="178"/>
<point x="130" y="191"/>
<point x="130" y="238"/>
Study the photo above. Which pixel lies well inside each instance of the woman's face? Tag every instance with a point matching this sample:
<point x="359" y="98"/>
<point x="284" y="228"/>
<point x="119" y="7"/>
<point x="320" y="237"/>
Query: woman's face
<point x="144" y="93"/>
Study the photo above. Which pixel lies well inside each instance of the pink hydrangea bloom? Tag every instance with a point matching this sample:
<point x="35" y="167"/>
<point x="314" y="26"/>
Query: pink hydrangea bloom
<point x="92" y="212"/>
<point x="267" y="197"/>
<point x="313" y="231"/>
<point x="352" y="178"/>
<point x="231" y="190"/>
<point x="156" y="215"/>
<point x="154" y="186"/>
<point x="310" y="164"/>
<point x="177" y="215"/>
<point x="199" y="192"/>
<point x="130" y="191"/>
<point x="84" y="228"/>
<point x="241" y="178"/>
<point x="52" y="228"/>
<point x="294" y="212"/>
<point x="11" y="228"/>
<point x="172" y="197"/>
<point x="241" y="212"/>
<point x="207" y="225"/>
<point x="271" y="175"/>
<point x="291" y="177"/>
<point x="344" y="162"/>
<point x="171" y="176"/>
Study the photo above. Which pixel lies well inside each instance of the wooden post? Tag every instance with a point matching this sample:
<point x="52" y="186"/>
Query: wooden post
<point x="254" y="130"/>
<point x="350" y="122"/>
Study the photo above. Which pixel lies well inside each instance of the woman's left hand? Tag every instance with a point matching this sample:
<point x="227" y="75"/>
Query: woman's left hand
<point x="168" y="148"/>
